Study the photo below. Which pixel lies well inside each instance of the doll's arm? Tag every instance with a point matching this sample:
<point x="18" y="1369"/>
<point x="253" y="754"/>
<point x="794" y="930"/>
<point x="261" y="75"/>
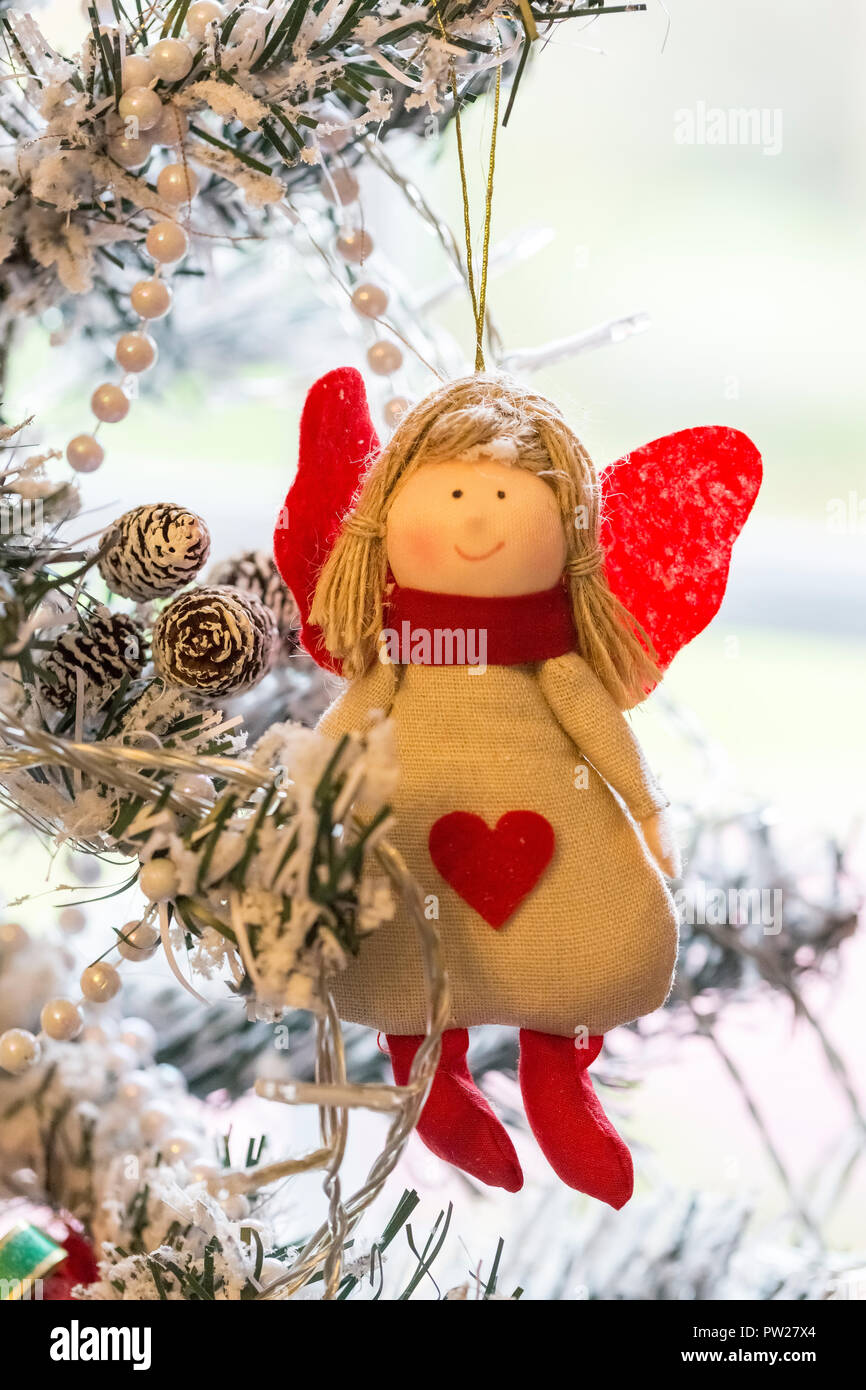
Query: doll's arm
<point x="351" y="710"/>
<point x="594" y="722"/>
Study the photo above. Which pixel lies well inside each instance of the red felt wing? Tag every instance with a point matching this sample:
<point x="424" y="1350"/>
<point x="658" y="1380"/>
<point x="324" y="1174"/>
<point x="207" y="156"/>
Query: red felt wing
<point x="671" y="513"/>
<point x="337" y="441"/>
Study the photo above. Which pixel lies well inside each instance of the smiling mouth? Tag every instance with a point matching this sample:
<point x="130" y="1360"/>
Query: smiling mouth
<point x="486" y="556"/>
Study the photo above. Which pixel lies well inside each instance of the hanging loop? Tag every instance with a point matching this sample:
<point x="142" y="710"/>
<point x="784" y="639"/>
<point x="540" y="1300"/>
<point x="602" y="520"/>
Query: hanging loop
<point x="478" y="294"/>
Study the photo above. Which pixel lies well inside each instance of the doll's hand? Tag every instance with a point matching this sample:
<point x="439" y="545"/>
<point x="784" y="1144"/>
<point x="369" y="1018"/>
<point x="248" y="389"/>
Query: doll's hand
<point x="661" y="843"/>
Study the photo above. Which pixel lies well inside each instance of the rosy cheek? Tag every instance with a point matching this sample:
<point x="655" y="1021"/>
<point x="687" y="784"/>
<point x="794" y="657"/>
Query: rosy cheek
<point x="420" y="546"/>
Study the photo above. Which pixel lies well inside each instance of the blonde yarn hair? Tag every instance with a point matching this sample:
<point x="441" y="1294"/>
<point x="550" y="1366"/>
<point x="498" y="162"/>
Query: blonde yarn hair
<point x="465" y="415"/>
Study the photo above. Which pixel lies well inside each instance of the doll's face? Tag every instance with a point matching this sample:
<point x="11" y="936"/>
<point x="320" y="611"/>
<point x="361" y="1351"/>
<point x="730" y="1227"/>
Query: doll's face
<point x="482" y="529"/>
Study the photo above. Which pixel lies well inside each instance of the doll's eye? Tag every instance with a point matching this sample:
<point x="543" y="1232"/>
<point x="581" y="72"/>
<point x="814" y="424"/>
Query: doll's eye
<point x="500" y="494"/>
<point x="457" y="492"/>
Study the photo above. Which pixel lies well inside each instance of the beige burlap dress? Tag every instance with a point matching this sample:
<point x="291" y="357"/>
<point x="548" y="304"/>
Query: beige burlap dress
<point x="593" y="944"/>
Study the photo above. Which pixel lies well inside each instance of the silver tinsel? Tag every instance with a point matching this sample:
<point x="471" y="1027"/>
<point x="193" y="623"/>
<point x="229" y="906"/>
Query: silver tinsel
<point x="155" y="551"/>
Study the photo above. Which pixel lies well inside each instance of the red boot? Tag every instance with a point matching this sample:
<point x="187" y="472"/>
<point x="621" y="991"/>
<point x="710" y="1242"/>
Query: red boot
<point x="457" y="1123"/>
<point x="565" y="1115"/>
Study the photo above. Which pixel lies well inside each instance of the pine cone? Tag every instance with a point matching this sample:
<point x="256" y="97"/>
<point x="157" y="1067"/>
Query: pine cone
<point x="217" y="640"/>
<point x="106" y="648"/>
<point x="156" y="550"/>
<point x="255" y="572"/>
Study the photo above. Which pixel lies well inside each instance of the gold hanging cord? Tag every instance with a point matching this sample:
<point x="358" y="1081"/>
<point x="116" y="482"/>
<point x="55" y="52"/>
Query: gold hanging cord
<point x="478" y="295"/>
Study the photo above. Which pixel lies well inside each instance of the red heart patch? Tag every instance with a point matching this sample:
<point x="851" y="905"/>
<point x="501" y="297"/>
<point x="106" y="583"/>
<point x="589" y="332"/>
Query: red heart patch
<point x="492" y="870"/>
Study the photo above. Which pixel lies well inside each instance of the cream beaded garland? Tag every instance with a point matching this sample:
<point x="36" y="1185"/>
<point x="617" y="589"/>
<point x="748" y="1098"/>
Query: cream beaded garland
<point x="140" y="108"/>
<point x="395" y="409"/>
<point x="151" y="299"/>
<point x="173" y="127"/>
<point x="137" y="71"/>
<point x="136" y="1088"/>
<point x="13" y="937"/>
<point x="96" y="1034"/>
<point x="61" y="1020"/>
<point x="177" y="184"/>
<point x="158" y="880"/>
<point x="138" y="941"/>
<point x="156" y="550"/>
<point x="370" y="301"/>
<point x="136" y="352"/>
<point x="19" y="1050"/>
<point x="177" y="1146"/>
<point x="138" y="1035"/>
<point x="100" y="982"/>
<point x="170" y="59"/>
<point x="141" y="122"/>
<point x="248" y="23"/>
<point x="129" y="152"/>
<point x="195" y="784"/>
<point x="335" y="140"/>
<point x="84" y="453"/>
<point x="384" y="358"/>
<point x="109" y="403"/>
<point x="155" y="1120"/>
<point x="167" y="242"/>
<point x="200" y="15"/>
<point x="71" y="920"/>
<point x="146" y="118"/>
<point x="354" y="245"/>
<point x="342" y="187"/>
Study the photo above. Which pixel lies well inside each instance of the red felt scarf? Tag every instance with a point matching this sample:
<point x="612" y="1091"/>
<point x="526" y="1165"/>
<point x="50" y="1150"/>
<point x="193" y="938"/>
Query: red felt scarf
<point x="425" y="629"/>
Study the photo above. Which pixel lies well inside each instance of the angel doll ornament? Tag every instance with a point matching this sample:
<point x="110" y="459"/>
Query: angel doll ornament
<point x="479" y="584"/>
